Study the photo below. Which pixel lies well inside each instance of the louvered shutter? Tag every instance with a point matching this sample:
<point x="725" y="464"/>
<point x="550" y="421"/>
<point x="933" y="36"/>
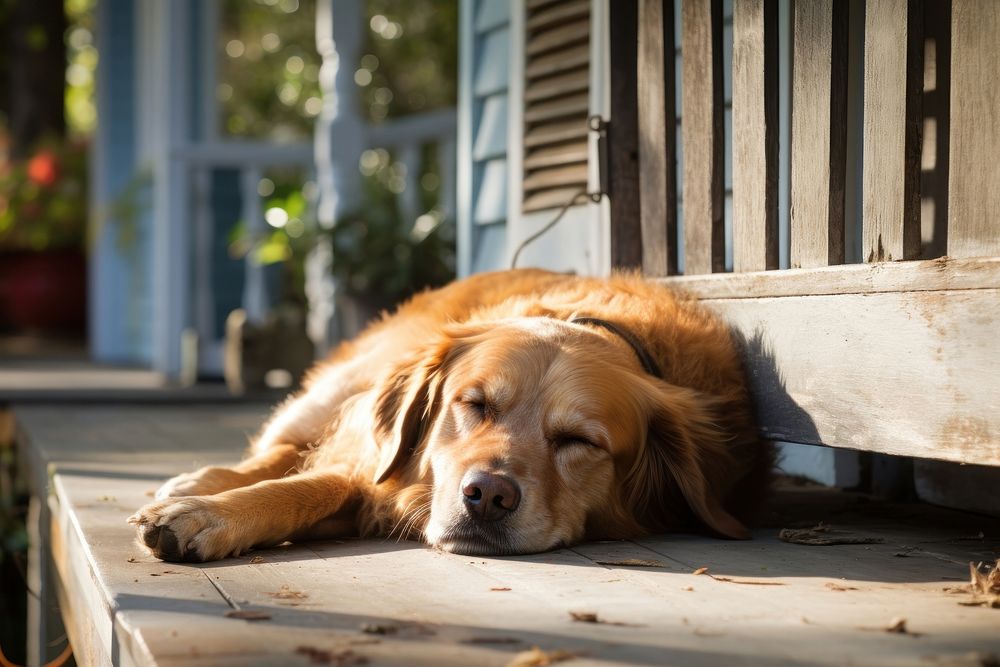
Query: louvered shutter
<point x="557" y="77"/>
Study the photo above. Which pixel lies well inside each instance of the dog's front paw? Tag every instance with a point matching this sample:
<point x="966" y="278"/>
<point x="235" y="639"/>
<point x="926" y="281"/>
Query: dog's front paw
<point x="194" y="529"/>
<point x="204" y="482"/>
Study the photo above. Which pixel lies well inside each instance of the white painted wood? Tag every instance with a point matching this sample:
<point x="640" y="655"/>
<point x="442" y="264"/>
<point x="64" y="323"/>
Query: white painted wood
<point x="255" y="298"/>
<point x="906" y="373"/>
<point x="930" y="275"/>
<point x="464" y="198"/>
<point x="170" y="129"/>
<point x="319" y="595"/>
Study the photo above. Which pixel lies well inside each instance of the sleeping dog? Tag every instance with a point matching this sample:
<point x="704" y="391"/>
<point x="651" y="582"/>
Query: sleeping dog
<point x="508" y="413"/>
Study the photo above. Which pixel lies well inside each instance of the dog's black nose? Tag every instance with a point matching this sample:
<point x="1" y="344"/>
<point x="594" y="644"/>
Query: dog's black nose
<point x="489" y="497"/>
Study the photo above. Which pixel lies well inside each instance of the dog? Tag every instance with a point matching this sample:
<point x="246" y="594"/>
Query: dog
<point x="508" y="413"/>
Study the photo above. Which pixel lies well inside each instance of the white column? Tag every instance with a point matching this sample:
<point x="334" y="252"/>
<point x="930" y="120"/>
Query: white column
<point x="170" y="128"/>
<point x="255" y="299"/>
<point x="339" y="141"/>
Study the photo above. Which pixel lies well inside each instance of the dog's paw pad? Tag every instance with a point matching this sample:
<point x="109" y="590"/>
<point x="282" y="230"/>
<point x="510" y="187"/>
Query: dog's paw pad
<point x="183" y="530"/>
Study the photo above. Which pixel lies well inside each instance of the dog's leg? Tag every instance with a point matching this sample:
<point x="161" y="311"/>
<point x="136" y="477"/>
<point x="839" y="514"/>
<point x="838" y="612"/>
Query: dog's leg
<point x="206" y="528"/>
<point x="270" y="463"/>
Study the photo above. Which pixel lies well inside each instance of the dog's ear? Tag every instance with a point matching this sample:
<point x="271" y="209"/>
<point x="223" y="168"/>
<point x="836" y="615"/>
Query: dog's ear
<point x="684" y="450"/>
<point x="405" y="406"/>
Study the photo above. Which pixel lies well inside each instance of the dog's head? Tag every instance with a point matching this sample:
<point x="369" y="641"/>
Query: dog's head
<point x="538" y="432"/>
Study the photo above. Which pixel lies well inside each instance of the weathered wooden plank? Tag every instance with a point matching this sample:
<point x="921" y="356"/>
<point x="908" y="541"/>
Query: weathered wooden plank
<point x="922" y="276"/>
<point x="703" y="135"/>
<point x="657" y="138"/>
<point x="819" y="133"/>
<point x="907" y="373"/>
<point x="319" y="597"/>
<point x="894" y="64"/>
<point x="973" y="191"/>
<point x="623" y="136"/>
<point x="755" y="135"/>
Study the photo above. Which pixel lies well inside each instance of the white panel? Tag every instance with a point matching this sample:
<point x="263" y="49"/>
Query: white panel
<point x="490" y="252"/>
<point x="491" y="199"/>
<point x="491" y="14"/>
<point x="491" y="132"/>
<point x="491" y="62"/>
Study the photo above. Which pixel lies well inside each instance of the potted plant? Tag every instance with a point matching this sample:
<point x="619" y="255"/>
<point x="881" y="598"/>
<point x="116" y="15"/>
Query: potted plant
<point x="380" y="259"/>
<point x="43" y="218"/>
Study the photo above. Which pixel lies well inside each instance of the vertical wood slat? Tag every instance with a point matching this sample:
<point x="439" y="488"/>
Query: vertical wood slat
<point x="894" y="72"/>
<point x="974" y="181"/>
<point x="755" y="135"/>
<point x="657" y="138"/>
<point x="819" y="132"/>
<point x="623" y="137"/>
<point x="702" y="130"/>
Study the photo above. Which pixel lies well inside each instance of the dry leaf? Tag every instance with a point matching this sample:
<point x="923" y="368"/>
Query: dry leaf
<point x="700" y="570"/>
<point x="752" y="582"/>
<point x="838" y="587"/>
<point x="256" y="560"/>
<point x="897" y="626"/>
<point x="131" y="559"/>
<point x="584" y="616"/>
<point x="500" y="588"/>
<point x="323" y="657"/>
<point x="287" y="594"/>
<point x="632" y="562"/>
<point x="248" y="615"/>
<point x="591" y="617"/>
<point x="536" y="657"/>
<point x="822" y="536"/>
<point x="379" y="629"/>
<point x="985" y="587"/>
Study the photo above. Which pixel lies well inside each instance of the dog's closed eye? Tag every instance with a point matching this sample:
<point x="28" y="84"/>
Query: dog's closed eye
<point x="562" y="440"/>
<point x="477" y="406"/>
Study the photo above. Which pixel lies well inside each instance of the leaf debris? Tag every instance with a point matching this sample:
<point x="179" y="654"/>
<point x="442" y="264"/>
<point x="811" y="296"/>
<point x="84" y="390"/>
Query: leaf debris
<point x="248" y="615"/>
<point x="821" y="535"/>
<point x="536" y="657"/>
<point x="632" y="562"/>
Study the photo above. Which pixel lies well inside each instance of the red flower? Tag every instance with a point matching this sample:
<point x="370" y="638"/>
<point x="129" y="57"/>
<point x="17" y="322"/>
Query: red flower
<point x="44" y="168"/>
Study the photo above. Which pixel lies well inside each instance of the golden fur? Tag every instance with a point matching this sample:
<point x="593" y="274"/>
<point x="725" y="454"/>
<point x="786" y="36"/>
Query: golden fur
<point x="489" y="374"/>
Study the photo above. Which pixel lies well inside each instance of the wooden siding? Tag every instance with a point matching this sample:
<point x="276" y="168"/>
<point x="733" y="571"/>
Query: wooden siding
<point x="485" y="109"/>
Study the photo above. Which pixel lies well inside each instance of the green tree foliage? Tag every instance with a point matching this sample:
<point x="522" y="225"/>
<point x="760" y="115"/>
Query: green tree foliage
<point x="268" y="76"/>
<point x="411" y="57"/>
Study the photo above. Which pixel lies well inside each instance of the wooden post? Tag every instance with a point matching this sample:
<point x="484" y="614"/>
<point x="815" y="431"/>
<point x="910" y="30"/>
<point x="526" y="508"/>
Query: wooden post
<point x="894" y="73"/>
<point x="623" y="137"/>
<point x="702" y="127"/>
<point x="755" y="135"/>
<point x="657" y="138"/>
<point x="974" y="181"/>
<point x="819" y="132"/>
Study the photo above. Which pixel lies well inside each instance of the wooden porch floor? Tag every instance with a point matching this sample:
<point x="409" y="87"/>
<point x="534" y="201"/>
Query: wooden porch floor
<point x="762" y="602"/>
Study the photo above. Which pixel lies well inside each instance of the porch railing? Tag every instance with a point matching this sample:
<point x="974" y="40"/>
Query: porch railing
<point x="406" y="139"/>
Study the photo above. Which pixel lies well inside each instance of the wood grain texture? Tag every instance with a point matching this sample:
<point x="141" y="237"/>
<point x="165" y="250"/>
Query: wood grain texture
<point x="755" y="135"/>
<point x="974" y="182"/>
<point x="819" y="132"/>
<point x="894" y="70"/>
<point x="657" y="138"/>
<point x="942" y="274"/>
<point x="702" y="130"/>
<point x="905" y="373"/>
<point x="623" y="137"/>
<point x="318" y="597"/>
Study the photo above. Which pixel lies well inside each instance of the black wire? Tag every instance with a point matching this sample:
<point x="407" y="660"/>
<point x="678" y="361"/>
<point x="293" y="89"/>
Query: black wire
<point x="552" y="223"/>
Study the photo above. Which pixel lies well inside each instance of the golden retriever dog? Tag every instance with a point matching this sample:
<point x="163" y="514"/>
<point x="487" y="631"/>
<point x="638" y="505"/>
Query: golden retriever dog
<point x="508" y="413"/>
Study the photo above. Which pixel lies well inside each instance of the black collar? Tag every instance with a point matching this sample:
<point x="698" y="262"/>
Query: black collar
<point x="645" y="358"/>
